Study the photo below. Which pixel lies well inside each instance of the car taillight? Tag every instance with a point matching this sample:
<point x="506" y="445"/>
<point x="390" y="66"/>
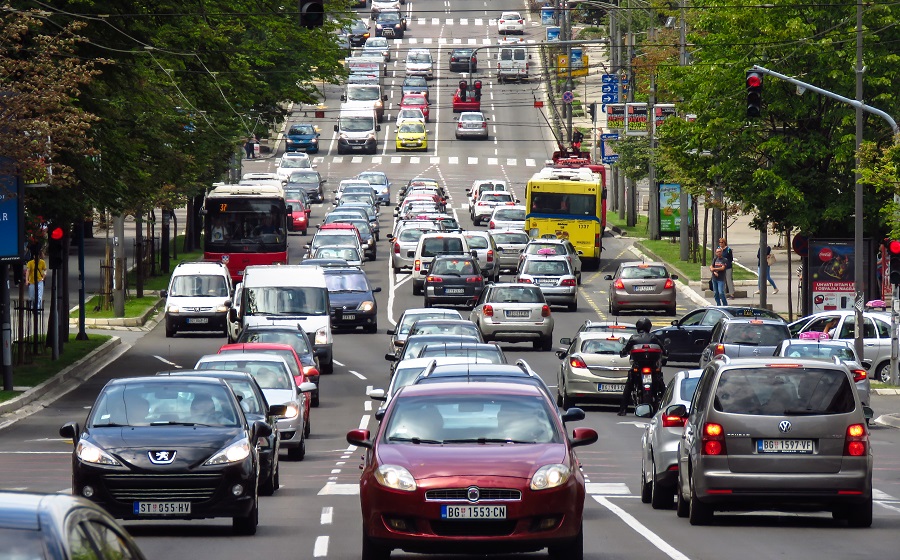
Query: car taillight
<point x="310" y="371"/>
<point x="521" y="21"/>
<point x="459" y="125"/>
<point x="434" y="279"/>
<point x="669" y="284"/>
<point x="620" y="285"/>
<point x="596" y="240"/>
<point x="646" y="370"/>
<point x="673" y="421"/>
<point x="396" y="248"/>
<point x="856" y="441"/>
<point x="488" y="311"/>
<point x="490" y="255"/>
<point x="525" y="280"/>
<point x="568" y="282"/>
<point x="858" y="375"/>
<point x="545" y="311"/>
<point x="418" y="265"/>
<point x="483" y="124"/>
<point x="474" y="280"/>
<point x="713" y="439"/>
<point x="491" y="224"/>
<point x="577" y="362"/>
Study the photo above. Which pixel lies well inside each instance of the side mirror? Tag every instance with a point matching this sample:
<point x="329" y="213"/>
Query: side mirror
<point x="232" y="315"/>
<point x="390" y="357"/>
<point x="411" y="254"/>
<point x="261" y="429"/>
<point x="306" y="387"/>
<point x="583" y="436"/>
<point x="384" y="98"/>
<point x="377" y="127"/>
<point x="359" y="438"/>
<point x="675" y="323"/>
<point x="565" y="341"/>
<point x="674" y="277"/>
<point x="474" y="253"/>
<point x="336" y="129"/>
<point x="678" y="410"/>
<point x="573" y="414"/>
<point x="379" y="414"/>
<point x="277" y="410"/>
<point x="561" y="354"/>
<point x="376" y="394"/>
<point x="643" y="411"/>
<point x="164" y="293"/>
<point x="343" y="97"/>
<point x="391" y="332"/>
<point x="376" y="289"/>
<point x="227" y="303"/>
<point x="608" y="277"/>
<point x="70" y="430"/>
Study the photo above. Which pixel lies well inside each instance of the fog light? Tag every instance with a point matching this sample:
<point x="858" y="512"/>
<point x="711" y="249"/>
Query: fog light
<point x="87" y="491"/>
<point x="237" y="489"/>
<point x="545" y="523"/>
<point x="398" y="524"/>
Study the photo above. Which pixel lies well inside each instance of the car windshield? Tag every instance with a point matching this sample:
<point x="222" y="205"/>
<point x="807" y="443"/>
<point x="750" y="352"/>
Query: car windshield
<point x="826" y="352"/>
<point x="359" y="27"/>
<point x="357" y="124"/>
<point x="539" y="267"/>
<point x="755" y="334"/>
<point x="513" y="214"/>
<point x="346" y="282"/>
<point x="293" y="195"/>
<point x="471" y="117"/>
<point x="414" y="101"/>
<point x="177" y="402"/>
<point x="644" y="272"/>
<point x="470" y="418"/>
<point x="415" y="81"/>
<point x="376" y="43"/>
<point x="517" y="294"/>
<point x="608" y="346"/>
<point x="28" y="544"/>
<point x="293" y="339"/>
<point x="412" y="128"/>
<point x="364" y="93"/>
<point x="510" y="238"/>
<point x="243" y="390"/>
<point x="373" y="178"/>
<point x="303" y="179"/>
<point x="295" y="300"/>
<point x="455" y="328"/>
<point x="545" y="249"/>
<point x="773" y="391"/>
<point x="419" y="58"/>
<point x="301" y="129"/>
<point x="453" y="266"/>
<point x="331" y="239"/>
<point x="482" y="355"/>
<point x="288" y="356"/>
<point x="198" y="286"/>
<point x="268" y="374"/>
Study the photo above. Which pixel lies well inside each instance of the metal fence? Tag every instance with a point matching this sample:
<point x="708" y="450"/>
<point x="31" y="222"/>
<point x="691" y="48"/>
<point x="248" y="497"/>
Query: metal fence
<point x="29" y="331"/>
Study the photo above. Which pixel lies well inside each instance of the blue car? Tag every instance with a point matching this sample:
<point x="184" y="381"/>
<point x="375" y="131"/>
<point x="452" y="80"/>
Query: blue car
<point x="302" y="138"/>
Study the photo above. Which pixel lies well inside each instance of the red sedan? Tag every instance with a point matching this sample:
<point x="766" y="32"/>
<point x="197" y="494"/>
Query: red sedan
<point x="472" y="468"/>
<point x="471" y="103"/>
<point x="416" y="101"/>
<point x="299" y="219"/>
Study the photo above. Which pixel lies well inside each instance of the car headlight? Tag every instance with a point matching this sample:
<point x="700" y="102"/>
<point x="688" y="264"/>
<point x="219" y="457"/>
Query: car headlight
<point x="314" y="141"/>
<point x="395" y="477"/>
<point x="173" y="309"/>
<point x="90" y="453"/>
<point x="234" y="453"/>
<point x="343" y="136"/>
<point x="322" y="336"/>
<point x="292" y="410"/>
<point x="550" y="476"/>
<point x="378" y="26"/>
<point x="384" y="190"/>
<point x="367" y="306"/>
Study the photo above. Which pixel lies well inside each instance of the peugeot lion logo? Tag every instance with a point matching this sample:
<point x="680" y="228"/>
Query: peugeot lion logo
<point x="161" y="457"/>
<point x="473" y="494"/>
<point x="784" y="426"/>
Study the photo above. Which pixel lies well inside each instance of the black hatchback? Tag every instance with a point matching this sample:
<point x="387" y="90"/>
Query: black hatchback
<point x="169" y="448"/>
<point x="352" y="299"/>
<point x="453" y="280"/>
<point x="460" y="60"/>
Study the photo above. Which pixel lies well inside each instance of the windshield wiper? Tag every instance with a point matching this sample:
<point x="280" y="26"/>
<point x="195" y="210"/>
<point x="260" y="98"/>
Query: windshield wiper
<point x="175" y="423"/>
<point x="486" y="440"/>
<point x="415" y="440"/>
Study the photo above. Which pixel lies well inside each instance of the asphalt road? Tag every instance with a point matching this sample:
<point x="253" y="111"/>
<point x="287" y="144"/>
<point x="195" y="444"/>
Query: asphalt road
<point x="316" y="514"/>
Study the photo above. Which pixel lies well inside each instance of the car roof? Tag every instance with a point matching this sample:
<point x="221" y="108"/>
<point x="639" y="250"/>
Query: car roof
<point x="243" y="346"/>
<point x="641" y="263"/>
<point x="602" y="335"/>
<point x="327" y="263"/>
<point x="201" y="267"/>
<point x="245" y="357"/>
<point x="464" y="388"/>
<point x="219" y="373"/>
<point x="439" y="337"/>
<point x="154" y="379"/>
<point x="478" y="370"/>
<point x="22" y="510"/>
<point x="451" y="321"/>
<point x="754" y="320"/>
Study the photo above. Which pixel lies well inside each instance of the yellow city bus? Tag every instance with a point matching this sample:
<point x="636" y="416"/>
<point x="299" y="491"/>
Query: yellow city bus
<point x="569" y="203"/>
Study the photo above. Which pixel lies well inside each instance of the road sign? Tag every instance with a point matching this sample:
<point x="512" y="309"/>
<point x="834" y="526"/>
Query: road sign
<point x="609" y="88"/>
<point x="609" y="79"/>
<point x="609" y="98"/>
<point x="568" y="97"/>
<point x="562" y="66"/>
<point x="607" y="152"/>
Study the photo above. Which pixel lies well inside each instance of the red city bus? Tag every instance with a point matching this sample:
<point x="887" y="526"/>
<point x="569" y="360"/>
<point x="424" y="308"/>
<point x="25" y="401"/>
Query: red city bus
<point x="245" y="225"/>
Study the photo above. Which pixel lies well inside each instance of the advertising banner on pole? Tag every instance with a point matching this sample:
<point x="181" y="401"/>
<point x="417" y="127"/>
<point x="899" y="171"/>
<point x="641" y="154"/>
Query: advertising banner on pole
<point x="615" y="116"/>
<point x="548" y="16"/>
<point x="636" y="121"/>
<point x="12" y="218"/>
<point x="553" y="33"/>
<point x="608" y="148"/>
<point x="661" y="112"/>
<point x="562" y="66"/>
<point x="833" y="286"/>
<point x="670" y="209"/>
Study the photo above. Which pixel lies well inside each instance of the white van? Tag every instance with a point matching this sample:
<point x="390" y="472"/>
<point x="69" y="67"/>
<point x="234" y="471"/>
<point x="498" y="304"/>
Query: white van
<point x="198" y="298"/>
<point x="513" y="64"/>
<point x="364" y="96"/>
<point x="430" y="245"/>
<point x="357" y="131"/>
<point x="288" y="295"/>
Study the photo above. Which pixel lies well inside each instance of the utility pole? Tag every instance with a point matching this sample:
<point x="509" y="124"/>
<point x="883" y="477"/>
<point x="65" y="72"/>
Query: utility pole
<point x="567" y="36"/>
<point x="858" y="274"/>
<point x="653" y="206"/>
<point x="617" y="198"/>
<point x="630" y="188"/>
<point x="684" y="231"/>
<point x="119" y="265"/>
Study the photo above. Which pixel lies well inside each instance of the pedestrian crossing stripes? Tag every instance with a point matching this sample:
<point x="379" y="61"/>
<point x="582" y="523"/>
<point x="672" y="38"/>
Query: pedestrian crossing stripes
<point x="431" y="160"/>
<point x="452" y="41"/>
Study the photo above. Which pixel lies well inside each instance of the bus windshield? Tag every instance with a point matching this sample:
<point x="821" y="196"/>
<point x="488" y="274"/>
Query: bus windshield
<point x="564" y="204"/>
<point x="245" y="226"/>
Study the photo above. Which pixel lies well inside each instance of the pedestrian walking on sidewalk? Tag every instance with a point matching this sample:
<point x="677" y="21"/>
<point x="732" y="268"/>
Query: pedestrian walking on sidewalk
<point x="248" y="147"/>
<point x="770" y="260"/>
<point x="35" y="271"/>
<point x="728" y="255"/>
<point x="718" y="269"/>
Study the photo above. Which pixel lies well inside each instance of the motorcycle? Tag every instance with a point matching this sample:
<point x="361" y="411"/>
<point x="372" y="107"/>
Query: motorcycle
<point x="646" y="370"/>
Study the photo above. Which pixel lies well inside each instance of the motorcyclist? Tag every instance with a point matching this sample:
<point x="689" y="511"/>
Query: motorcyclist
<point x="643" y="336"/>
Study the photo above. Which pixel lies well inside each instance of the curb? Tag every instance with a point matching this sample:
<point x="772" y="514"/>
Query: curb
<point x="888" y="420"/>
<point x="119" y="321"/>
<point x="886" y="391"/>
<point x="80" y="371"/>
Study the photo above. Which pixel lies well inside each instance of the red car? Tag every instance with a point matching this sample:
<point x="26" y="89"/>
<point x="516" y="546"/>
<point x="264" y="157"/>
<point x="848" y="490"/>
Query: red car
<point x="471" y="103"/>
<point x="416" y="101"/>
<point x="472" y="468"/>
<point x="299" y="219"/>
<point x="287" y="352"/>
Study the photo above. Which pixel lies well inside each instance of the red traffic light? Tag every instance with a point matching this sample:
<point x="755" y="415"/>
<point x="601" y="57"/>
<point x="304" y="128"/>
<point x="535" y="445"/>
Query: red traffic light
<point x="57" y="233"/>
<point x="893" y="246"/>
<point x="463" y="85"/>
<point x="477" y="84"/>
<point x="754" y="80"/>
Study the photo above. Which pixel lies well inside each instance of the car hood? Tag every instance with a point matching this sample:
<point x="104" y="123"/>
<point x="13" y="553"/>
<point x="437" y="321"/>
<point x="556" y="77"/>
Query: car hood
<point x="195" y="302"/>
<point x="431" y="461"/>
<point x="192" y="444"/>
<point x="411" y="135"/>
<point x="279" y="396"/>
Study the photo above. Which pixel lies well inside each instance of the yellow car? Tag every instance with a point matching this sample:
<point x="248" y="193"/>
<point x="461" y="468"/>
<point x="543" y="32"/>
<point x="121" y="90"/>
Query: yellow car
<point x="411" y="135"/>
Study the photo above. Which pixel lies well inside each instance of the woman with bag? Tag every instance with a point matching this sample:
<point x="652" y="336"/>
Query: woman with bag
<point x="770" y="260"/>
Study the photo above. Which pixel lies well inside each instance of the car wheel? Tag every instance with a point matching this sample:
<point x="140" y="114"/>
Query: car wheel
<point x="416" y="290"/>
<point x="170" y="330"/>
<point x="546" y="344"/>
<point x="883" y="373"/>
<point x="569" y="550"/>
<point x="646" y="487"/>
<point x="307" y="427"/>
<point x="303" y="232"/>
<point x="681" y="505"/>
<point x="315" y="399"/>
<point x="427" y="302"/>
<point x="372" y="551"/>
<point x="671" y="312"/>
<point x="299" y="452"/>
<point x="396" y="270"/>
<point x="860" y="515"/>
<point x="328" y="368"/>
<point x="247" y="525"/>
<point x="578" y="278"/>
<point x="698" y="512"/>
<point x="267" y="487"/>
<point x="660" y="498"/>
<point x="567" y="401"/>
<point x="573" y="306"/>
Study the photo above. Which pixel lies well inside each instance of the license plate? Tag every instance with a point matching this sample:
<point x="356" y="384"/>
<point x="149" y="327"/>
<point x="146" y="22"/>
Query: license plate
<point x="198" y="321"/>
<point x="410" y="144"/>
<point x="647" y="378"/>
<point x="510" y="251"/>
<point x="454" y="291"/>
<point x="784" y="446"/>
<point x="347" y="317"/>
<point x="546" y="282"/>
<point x="643" y="288"/>
<point x="517" y="313"/>
<point x="356" y="147"/>
<point x="162" y="508"/>
<point x="611" y="387"/>
<point x="473" y="512"/>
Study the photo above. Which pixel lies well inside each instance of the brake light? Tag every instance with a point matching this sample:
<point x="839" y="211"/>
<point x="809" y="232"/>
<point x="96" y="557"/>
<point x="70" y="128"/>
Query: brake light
<point x="435" y="279"/>
<point x="719" y="350"/>
<point x="418" y="265"/>
<point x="619" y="285"/>
<point x="521" y="21"/>
<point x="545" y="311"/>
<point x="488" y="311"/>
<point x="396" y="248"/>
<point x="568" y="282"/>
<point x="491" y="224"/>
<point x="490" y="255"/>
<point x="474" y="280"/>
<point x="669" y="421"/>
<point x="525" y="280"/>
<point x="483" y="124"/>
<point x="646" y="370"/>
<point x="310" y="371"/>
<point x="856" y="441"/>
<point x="577" y="362"/>
<point x="858" y="375"/>
<point x="669" y="284"/>
<point x="596" y="240"/>
<point x="459" y="125"/>
<point x="713" y="439"/>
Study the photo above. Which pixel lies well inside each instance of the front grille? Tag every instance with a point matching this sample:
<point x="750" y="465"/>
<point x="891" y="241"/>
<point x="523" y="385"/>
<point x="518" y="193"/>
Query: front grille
<point x="198" y="309"/>
<point x="481" y="528"/>
<point x="460" y="494"/>
<point x="181" y="487"/>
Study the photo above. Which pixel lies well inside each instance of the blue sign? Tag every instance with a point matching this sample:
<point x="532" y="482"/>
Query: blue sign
<point x="548" y="16"/>
<point x="553" y="33"/>
<point x="609" y="98"/>
<point x="575" y="60"/>
<point x="568" y="97"/>
<point x="609" y="88"/>
<point x="11" y="219"/>
<point x="609" y="79"/>
<point x="607" y="153"/>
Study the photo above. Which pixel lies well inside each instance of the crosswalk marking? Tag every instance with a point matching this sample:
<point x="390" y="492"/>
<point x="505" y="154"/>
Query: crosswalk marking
<point x="442" y="40"/>
<point x="511" y="162"/>
<point x="413" y="41"/>
<point x="396" y="159"/>
<point x="449" y="21"/>
<point x="473" y="161"/>
<point x="492" y="161"/>
<point x="435" y="160"/>
<point x="420" y="21"/>
<point x="432" y="160"/>
<point x="426" y="41"/>
<point x="472" y="41"/>
<point x="453" y="160"/>
<point x="479" y="21"/>
<point x="463" y="21"/>
<point x="415" y="159"/>
<point x="435" y="21"/>
<point x="356" y="159"/>
<point x="376" y="159"/>
<point x="530" y="162"/>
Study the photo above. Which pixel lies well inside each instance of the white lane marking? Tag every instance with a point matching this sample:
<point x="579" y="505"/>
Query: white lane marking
<point x="530" y="163"/>
<point x="888" y="506"/>
<point x="333" y="478"/>
<point x="335" y="489"/>
<point x="335" y="471"/>
<point x="345" y="456"/>
<point x="350" y="449"/>
<point x="473" y="161"/>
<point x="337" y="363"/>
<point x="327" y="515"/>
<point x="434" y="160"/>
<point x="376" y="159"/>
<point x="367" y="406"/>
<point x="879" y="495"/>
<point x="512" y="162"/>
<point x="641" y="425"/>
<point x="607" y="488"/>
<point x="340" y="463"/>
<point x="356" y="159"/>
<point x="642" y="530"/>
<point x="453" y="160"/>
<point x="321" y="547"/>
<point x="359" y="375"/>
<point x="165" y="361"/>
<point x="364" y="422"/>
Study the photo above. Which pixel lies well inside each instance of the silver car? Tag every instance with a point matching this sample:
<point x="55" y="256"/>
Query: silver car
<point x="488" y="254"/>
<point x="401" y="245"/>
<point x="659" y="444"/>
<point x="407" y="320"/>
<point x="486" y="203"/>
<point x="507" y="217"/>
<point x="591" y="369"/>
<point x="555" y="247"/>
<point x="471" y="124"/>
<point x="554" y="276"/>
<point x="514" y="313"/>
<point x="744" y="338"/>
<point x="510" y="245"/>
<point x="774" y="434"/>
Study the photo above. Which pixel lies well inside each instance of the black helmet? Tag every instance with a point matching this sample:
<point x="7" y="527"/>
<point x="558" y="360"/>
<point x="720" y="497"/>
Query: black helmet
<point x="644" y="325"/>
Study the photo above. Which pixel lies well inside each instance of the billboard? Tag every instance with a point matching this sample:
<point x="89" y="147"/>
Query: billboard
<point x="615" y="116"/>
<point x="670" y="212"/>
<point x="636" y="119"/>
<point x="12" y="219"/>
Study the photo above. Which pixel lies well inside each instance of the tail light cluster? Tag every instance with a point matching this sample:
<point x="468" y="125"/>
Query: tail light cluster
<point x="396" y="248"/>
<point x="418" y="265"/>
<point x="619" y="284"/>
<point x="713" y="439"/>
<point x="474" y="280"/>
<point x="490" y="255"/>
<point x="857" y="440"/>
<point x="858" y="375"/>
<point x="525" y="280"/>
<point x="310" y="371"/>
<point x="488" y="311"/>
<point x="568" y="282"/>
<point x="434" y="279"/>
<point x="669" y="421"/>
<point x="545" y="311"/>
<point x="719" y="350"/>
<point x="577" y="362"/>
<point x="669" y="284"/>
<point x="491" y="224"/>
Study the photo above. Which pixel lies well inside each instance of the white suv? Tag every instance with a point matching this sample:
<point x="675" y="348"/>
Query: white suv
<point x="486" y="203"/>
<point x="198" y="298"/>
<point x="431" y="245"/>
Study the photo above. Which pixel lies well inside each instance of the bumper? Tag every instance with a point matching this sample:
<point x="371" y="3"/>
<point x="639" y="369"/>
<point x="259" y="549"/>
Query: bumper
<point x="438" y="296"/>
<point x="517" y="331"/>
<point x="353" y="318"/>
<point x="197" y="322"/>
<point x="399" y="261"/>
<point x="385" y="197"/>
<point x="357" y="145"/>
<point x="301" y="147"/>
<point x="328" y="358"/>
<point x="665" y="300"/>
<point x="290" y="430"/>
<point x="560" y="295"/>
<point x="411" y="145"/>
<point x="462" y="67"/>
<point x="589" y="388"/>
<point x="471" y="132"/>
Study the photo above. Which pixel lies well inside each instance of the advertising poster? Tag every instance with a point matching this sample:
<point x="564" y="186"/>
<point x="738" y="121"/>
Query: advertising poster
<point x="832" y="284"/>
<point x="12" y="219"/>
<point x="615" y="116"/>
<point x="670" y="209"/>
<point x="548" y="16"/>
<point x="636" y="121"/>
<point x="553" y="33"/>
<point x="661" y="112"/>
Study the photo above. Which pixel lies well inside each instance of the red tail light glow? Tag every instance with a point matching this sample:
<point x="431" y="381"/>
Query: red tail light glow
<point x="474" y="280"/>
<point x="619" y="285"/>
<point x="568" y="282"/>
<point x="858" y="375"/>
<point x="488" y="311"/>
<point x="669" y="284"/>
<point x="396" y="248"/>
<point x="856" y="441"/>
<point x="490" y="255"/>
<point x="719" y="350"/>
<point x="418" y="265"/>
<point x="646" y="370"/>
<point x="310" y="371"/>
<point x="673" y="421"/>
<point x="577" y="362"/>
<point x="491" y="224"/>
<point x="545" y="311"/>
<point x="525" y="280"/>
<point x="434" y="279"/>
<point x="713" y="439"/>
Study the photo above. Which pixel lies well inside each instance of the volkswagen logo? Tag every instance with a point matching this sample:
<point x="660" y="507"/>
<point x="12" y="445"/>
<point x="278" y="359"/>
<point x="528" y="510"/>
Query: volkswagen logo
<point x="161" y="457"/>
<point x="473" y="494"/>
<point x="784" y="426"/>
<point x="225" y="259"/>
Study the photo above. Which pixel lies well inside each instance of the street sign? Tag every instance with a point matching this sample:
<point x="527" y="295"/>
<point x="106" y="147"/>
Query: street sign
<point x="607" y="98"/>
<point x="568" y="97"/>
<point x="562" y="66"/>
<point x="609" y="88"/>
<point x="607" y="153"/>
<point x="609" y="79"/>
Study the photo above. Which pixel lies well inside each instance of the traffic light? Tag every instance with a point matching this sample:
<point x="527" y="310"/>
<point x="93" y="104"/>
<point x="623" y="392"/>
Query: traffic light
<point x="312" y="13"/>
<point x="754" y="93"/>
<point x="893" y="250"/>
<point x="592" y="111"/>
<point x="55" y="246"/>
<point x="463" y="87"/>
<point x="477" y="85"/>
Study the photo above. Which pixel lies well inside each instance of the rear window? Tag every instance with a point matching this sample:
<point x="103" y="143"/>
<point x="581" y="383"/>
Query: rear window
<point x="297" y="340"/>
<point x="511" y="238"/>
<point x="441" y="246"/>
<point x="496" y="197"/>
<point x="440" y="350"/>
<point x="477" y="242"/>
<point x="510" y="214"/>
<point x="755" y="334"/>
<point x="824" y="352"/>
<point x="454" y="266"/>
<point x="603" y="346"/>
<point x="519" y="54"/>
<point x="411" y="235"/>
<point x="517" y="295"/>
<point x="644" y="272"/>
<point x="546" y="267"/>
<point x="784" y="392"/>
